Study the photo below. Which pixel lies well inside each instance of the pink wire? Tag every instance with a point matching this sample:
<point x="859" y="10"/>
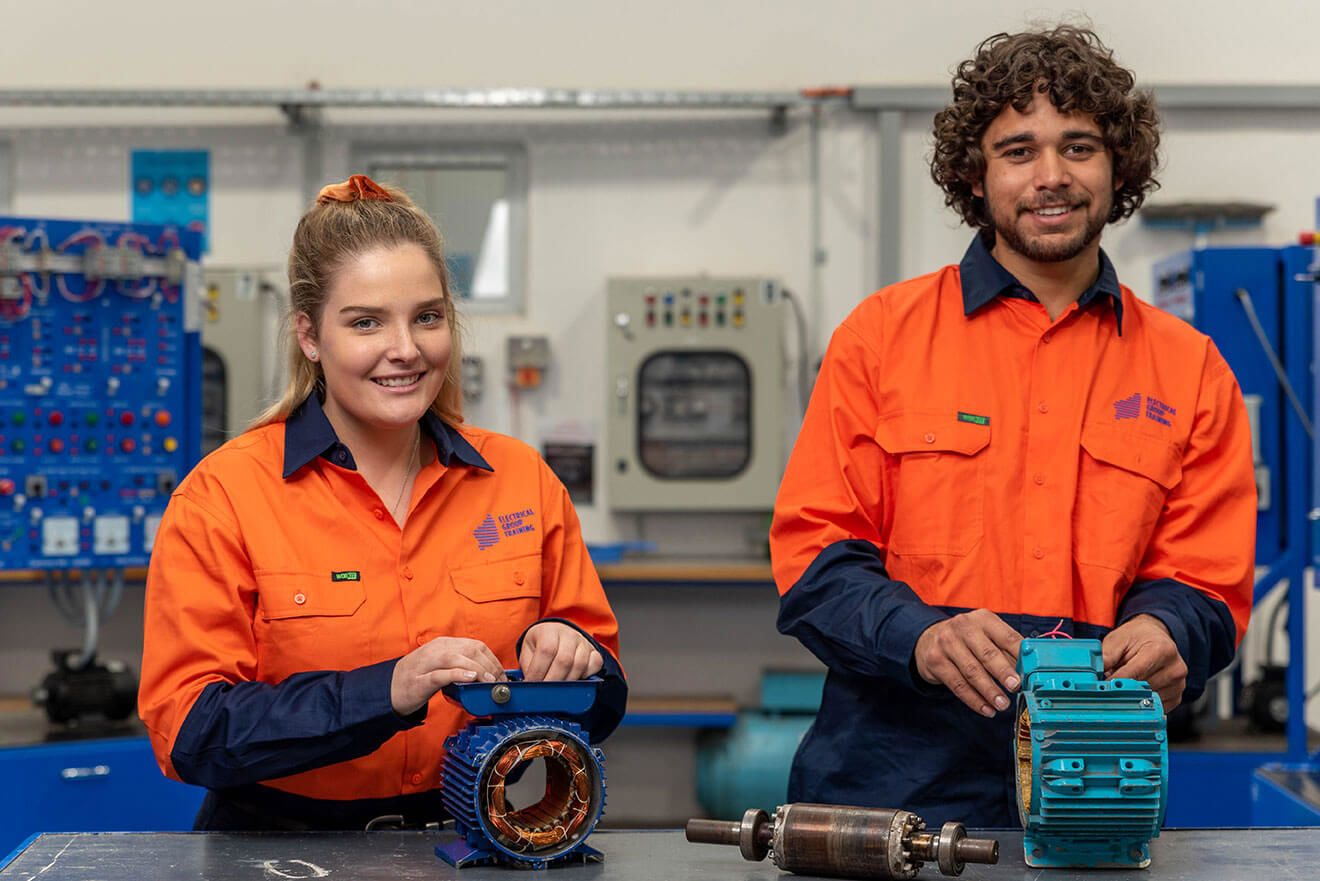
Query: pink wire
<point x="1056" y="632"/>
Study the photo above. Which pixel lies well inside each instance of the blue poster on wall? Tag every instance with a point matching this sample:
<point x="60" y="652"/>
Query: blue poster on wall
<point x="174" y="187"/>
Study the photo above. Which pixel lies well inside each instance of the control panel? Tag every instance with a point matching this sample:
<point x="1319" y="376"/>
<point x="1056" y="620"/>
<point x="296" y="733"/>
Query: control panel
<point x="100" y="363"/>
<point x="696" y="391"/>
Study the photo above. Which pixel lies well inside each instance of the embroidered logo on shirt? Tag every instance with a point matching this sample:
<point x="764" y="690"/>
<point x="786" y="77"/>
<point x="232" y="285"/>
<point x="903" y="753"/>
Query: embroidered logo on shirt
<point x="973" y="418"/>
<point x="517" y="522"/>
<point x="487" y="533"/>
<point x="1156" y="410"/>
<point x="346" y="576"/>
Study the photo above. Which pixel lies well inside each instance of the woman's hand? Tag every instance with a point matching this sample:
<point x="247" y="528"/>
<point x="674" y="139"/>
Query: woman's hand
<point x="445" y="659"/>
<point x="552" y="650"/>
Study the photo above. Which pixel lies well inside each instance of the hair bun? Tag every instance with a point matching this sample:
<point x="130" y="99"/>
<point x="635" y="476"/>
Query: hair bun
<point x="358" y="186"/>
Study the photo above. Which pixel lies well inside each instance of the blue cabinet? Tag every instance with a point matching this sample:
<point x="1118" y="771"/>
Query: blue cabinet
<point x="89" y="786"/>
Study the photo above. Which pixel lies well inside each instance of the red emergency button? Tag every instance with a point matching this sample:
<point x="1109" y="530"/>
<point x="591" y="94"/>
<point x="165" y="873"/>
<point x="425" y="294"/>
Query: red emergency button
<point x="300" y="598"/>
<point x="128" y="445"/>
<point x="126" y="417"/>
<point x="162" y="418"/>
<point x="417" y="779"/>
<point x="6" y="487"/>
<point x="56" y="445"/>
<point x="56" y="417"/>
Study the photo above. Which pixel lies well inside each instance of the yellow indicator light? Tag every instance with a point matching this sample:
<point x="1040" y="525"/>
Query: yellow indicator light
<point x="170" y="445"/>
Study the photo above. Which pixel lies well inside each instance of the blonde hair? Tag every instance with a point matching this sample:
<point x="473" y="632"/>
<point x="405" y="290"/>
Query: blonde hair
<point x="328" y="236"/>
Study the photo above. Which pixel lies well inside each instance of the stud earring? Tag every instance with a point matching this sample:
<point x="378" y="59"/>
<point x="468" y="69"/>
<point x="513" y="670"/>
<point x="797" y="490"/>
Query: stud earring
<point x="312" y="355"/>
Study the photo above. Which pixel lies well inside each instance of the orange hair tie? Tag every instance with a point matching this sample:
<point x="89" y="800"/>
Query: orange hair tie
<point x="358" y="186"/>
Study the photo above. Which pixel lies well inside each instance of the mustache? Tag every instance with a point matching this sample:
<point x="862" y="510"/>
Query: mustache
<point x="1052" y="202"/>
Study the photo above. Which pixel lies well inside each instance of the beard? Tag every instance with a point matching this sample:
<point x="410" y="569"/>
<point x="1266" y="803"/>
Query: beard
<point x="1050" y="247"/>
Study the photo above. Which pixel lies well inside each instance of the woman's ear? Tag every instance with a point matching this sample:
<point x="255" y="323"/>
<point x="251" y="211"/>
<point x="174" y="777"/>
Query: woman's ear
<point x="306" y="335"/>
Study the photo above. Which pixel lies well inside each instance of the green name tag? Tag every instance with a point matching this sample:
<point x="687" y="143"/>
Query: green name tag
<point x="972" y="417"/>
<point x="345" y="576"/>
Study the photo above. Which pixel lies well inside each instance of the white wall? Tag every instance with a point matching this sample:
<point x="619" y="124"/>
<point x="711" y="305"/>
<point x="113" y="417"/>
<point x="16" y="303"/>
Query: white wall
<point x="685" y="44"/>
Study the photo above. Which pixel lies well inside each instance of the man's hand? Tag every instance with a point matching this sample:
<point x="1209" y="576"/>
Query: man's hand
<point x="422" y="672"/>
<point x="1142" y="648"/>
<point x="552" y="650"/>
<point x="972" y="654"/>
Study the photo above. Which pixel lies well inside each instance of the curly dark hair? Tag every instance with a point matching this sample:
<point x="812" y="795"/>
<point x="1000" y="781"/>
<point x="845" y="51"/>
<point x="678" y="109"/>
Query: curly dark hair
<point x="1078" y="72"/>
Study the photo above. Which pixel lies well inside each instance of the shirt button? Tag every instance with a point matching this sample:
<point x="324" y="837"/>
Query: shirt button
<point x="1043" y="407"/>
<point x="518" y="578"/>
<point x="1047" y="337"/>
<point x="1038" y="553"/>
<point x="421" y="640"/>
<point x="380" y="515"/>
<point x="300" y="598"/>
<point x="407" y="573"/>
<point x="929" y="438"/>
<point x="341" y="456"/>
<point x="417" y="779"/>
<point x="1040" y="479"/>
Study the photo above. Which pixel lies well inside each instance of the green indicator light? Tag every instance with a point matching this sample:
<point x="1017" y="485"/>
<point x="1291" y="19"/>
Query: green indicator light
<point x="93" y="419"/>
<point x="19" y="418"/>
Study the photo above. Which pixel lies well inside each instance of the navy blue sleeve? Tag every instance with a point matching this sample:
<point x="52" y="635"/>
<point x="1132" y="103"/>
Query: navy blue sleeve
<point x="849" y="613"/>
<point x="611" y="698"/>
<point x="1202" y="627"/>
<point x="237" y="734"/>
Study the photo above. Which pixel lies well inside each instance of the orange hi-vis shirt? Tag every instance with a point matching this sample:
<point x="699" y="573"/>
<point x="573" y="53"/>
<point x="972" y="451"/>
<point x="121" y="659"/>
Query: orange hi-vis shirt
<point x="278" y="603"/>
<point x="962" y="451"/>
<point x="1000" y="460"/>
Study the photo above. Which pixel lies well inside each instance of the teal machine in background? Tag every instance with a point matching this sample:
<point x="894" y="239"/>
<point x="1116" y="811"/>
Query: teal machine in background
<point x="747" y="765"/>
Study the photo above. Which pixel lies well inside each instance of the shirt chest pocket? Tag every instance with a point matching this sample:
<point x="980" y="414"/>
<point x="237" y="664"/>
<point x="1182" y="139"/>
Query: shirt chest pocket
<point x="1123" y="480"/>
<point x="305" y="621"/>
<point x="934" y="482"/>
<point x="498" y="601"/>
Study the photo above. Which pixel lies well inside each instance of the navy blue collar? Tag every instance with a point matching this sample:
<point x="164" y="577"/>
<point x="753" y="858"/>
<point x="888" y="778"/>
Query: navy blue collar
<point x="308" y="434"/>
<point x="984" y="278"/>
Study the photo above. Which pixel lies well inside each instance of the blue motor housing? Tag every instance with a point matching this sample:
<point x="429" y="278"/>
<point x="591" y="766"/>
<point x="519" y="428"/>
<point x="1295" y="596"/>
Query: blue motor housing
<point x="493" y="751"/>
<point x="1092" y="759"/>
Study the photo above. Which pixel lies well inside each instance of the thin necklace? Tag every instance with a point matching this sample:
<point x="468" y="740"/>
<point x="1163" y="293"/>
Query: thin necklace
<point x="412" y="460"/>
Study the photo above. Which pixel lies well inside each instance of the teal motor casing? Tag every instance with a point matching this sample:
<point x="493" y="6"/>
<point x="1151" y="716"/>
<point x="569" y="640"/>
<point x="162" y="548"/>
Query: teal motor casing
<point x="1092" y="758"/>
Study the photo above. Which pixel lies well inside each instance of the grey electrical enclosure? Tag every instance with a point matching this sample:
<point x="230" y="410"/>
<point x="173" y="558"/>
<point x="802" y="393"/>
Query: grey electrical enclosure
<point x="696" y="394"/>
<point x="242" y="370"/>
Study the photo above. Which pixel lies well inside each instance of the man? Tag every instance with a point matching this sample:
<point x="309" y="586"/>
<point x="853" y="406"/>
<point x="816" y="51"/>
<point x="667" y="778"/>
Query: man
<point x="1008" y="447"/>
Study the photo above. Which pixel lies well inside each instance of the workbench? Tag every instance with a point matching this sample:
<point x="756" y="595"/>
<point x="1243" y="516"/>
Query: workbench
<point x="1185" y="854"/>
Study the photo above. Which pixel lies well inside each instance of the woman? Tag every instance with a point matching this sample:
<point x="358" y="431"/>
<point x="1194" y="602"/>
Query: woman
<point x="318" y="579"/>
